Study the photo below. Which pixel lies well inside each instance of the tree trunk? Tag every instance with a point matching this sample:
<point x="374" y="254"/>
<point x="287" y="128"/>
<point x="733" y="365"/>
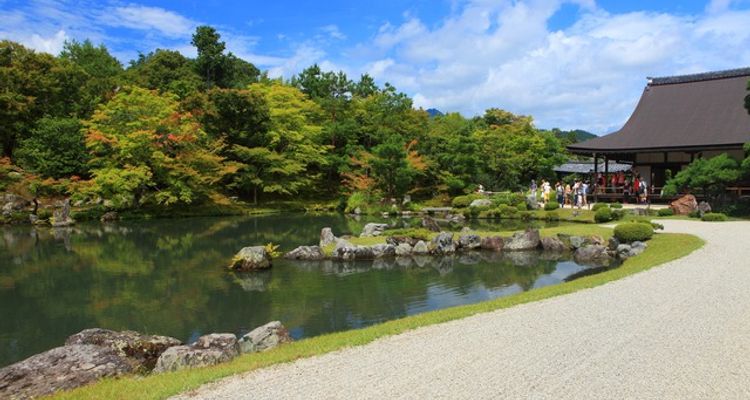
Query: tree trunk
<point x="255" y="195"/>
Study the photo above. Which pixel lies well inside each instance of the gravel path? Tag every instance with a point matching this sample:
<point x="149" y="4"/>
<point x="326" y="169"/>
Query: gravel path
<point x="680" y="331"/>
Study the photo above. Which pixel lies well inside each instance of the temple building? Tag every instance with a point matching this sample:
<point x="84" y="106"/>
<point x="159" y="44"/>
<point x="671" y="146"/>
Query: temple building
<point x="678" y="119"/>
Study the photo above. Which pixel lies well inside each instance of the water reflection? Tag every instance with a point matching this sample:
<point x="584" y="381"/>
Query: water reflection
<point x="169" y="277"/>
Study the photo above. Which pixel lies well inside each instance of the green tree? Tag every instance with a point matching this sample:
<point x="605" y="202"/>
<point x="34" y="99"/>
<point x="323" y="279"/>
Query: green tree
<point x="145" y="151"/>
<point x="237" y="116"/>
<point x="165" y="71"/>
<point x="211" y="62"/>
<point x="452" y="153"/>
<point x="102" y="68"/>
<point x="707" y="175"/>
<point x="55" y="148"/>
<point x="390" y="167"/>
<point x="240" y="73"/>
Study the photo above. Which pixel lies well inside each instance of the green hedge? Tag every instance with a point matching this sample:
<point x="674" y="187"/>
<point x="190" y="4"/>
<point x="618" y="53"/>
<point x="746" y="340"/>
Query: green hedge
<point x="665" y="212"/>
<point x="599" y="206"/>
<point x="603" y="215"/>
<point x="634" y="231"/>
<point x="551" y="206"/>
<point x="465" y="201"/>
<point x="615" y="205"/>
<point x="714" y="217"/>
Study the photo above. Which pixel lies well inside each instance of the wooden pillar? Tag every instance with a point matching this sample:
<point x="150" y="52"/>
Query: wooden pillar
<point x="596" y="178"/>
<point x="606" y="173"/>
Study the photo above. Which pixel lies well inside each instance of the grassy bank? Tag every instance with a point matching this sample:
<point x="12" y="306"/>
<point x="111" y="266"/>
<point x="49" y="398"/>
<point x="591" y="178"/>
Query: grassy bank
<point x="662" y="248"/>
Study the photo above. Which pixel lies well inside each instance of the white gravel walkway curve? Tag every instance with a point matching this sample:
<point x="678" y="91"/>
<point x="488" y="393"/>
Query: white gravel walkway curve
<point x="679" y="331"/>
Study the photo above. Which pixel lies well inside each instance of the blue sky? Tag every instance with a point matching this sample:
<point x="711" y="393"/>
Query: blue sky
<point x="568" y="63"/>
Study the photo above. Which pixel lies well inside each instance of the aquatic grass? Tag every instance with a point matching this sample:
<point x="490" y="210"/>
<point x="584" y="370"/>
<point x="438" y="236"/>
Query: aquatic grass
<point x="664" y="247"/>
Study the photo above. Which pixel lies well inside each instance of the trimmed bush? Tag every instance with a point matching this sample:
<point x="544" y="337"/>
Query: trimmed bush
<point x="665" y="212"/>
<point x="506" y="211"/>
<point x="603" y="215"/>
<point x="551" y="206"/>
<point x="634" y="231"/>
<point x="714" y="217"/>
<point x="694" y="214"/>
<point x="552" y="216"/>
<point x="599" y="206"/>
<point x="615" y="205"/>
<point x="526" y="215"/>
<point x="522" y="206"/>
<point x="465" y="201"/>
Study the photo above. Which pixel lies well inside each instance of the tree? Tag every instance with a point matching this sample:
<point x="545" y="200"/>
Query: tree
<point x="211" y="62"/>
<point x="102" y="68"/>
<point x="390" y="167"/>
<point x="55" y="148"/>
<point x="240" y="73"/>
<point x="145" y="151"/>
<point x="165" y="71"/>
<point x="452" y="152"/>
<point x="707" y="175"/>
<point x="237" y="116"/>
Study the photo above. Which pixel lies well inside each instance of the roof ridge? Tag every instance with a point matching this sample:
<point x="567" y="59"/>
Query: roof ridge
<point x="703" y="76"/>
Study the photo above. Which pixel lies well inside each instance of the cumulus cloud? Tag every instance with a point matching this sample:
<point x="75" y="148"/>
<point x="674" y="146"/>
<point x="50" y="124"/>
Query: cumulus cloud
<point x="334" y="32"/>
<point x="145" y="18"/>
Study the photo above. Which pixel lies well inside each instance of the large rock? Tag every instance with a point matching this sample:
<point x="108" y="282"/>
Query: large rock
<point x="443" y="243"/>
<point x="12" y="202"/>
<point x="264" y="338"/>
<point x="61" y="216"/>
<point x="492" y="243"/>
<point x="373" y="229"/>
<point x="403" y="249"/>
<point x="109" y="216"/>
<point x="251" y="258"/>
<point x="481" y="203"/>
<point x="625" y="251"/>
<point x="326" y="237"/>
<point x="207" y="350"/>
<point x="592" y="254"/>
<point x="383" y="250"/>
<point x="704" y="208"/>
<point x="420" y="248"/>
<point x="470" y="241"/>
<point x="577" y="242"/>
<point x="531" y="203"/>
<point x="684" y="205"/>
<point x="528" y="240"/>
<point x="430" y="224"/>
<point x="305" y="253"/>
<point x="140" y="350"/>
<point x="62" y="368"/>
<point x="347" y="251"/>
<point x="553" y="244"/>
<point x="396" y="240"/>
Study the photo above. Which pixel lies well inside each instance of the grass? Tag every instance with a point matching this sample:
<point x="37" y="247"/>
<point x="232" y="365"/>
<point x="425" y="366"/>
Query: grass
<point x="662" y="248"/>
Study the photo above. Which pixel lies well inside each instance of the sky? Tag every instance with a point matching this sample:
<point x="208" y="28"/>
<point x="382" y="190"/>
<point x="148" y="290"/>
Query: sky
<point x="571" y="64"/>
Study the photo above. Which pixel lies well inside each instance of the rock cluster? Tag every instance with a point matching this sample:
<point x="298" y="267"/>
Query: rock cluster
<point x="250" y="259"/>
<point x="373" y="229"/>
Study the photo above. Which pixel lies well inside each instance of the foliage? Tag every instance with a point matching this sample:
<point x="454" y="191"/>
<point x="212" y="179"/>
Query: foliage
<point x="603" y="215"/>
<point x="357" y="200"/>
<point x="165" y="71"/>
<point x="551" y="206"/>
<point x="598" y="206"/>
<point x="665" y="212"/>
<point x="391" y="169"/>
<point x="615" y="206"/>
<point x="694" y="214"/>
<point x="552" y="216"/>
<point x="714" y="217"/>
<point x="634" y="231"/>
<point x="465" y="201"/>
<point x="55" y="148"/>
<point x="102" y="69"/>
<point x="707" y="175"/>
<point x="272" y="250"/>
<point x="508" y="198"/>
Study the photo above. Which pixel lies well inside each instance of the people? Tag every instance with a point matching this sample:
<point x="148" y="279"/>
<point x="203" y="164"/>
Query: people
<point x="568" y="195"/>
<point x="533" y="189"/>
<point x="560" y="192"/>
<point x="546" y="189"/>
<point x="480" y="189"/>
<point x="584" y="193"/>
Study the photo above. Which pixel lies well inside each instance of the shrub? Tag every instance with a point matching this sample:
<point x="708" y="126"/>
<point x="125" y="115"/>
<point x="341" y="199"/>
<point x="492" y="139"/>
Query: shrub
<point x="522" y="206"/>
<point x="416" y="233"/>
<point x="665" y="212"/>
<point x="464" y="201"/>
<point x="507" y="198"/>
<point x="357" y="200"/>
<point x="634" y="231"/>
<point x="552" y="216"/>
<point x="714" y="217"/>
<point x="551" y="206"/>
<point x="599" y="206"/>
<point x="617" y="214"/>
<point x="525" y="215"/>
<point x="615" y="205"/>
<point x="603" y="215"/>
<point x="694" y="214"/>
<point x="506" y="211"/>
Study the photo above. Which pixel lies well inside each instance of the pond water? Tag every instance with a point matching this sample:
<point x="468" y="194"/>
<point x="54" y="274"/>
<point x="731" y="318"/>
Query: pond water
<point x="168" y="277"/>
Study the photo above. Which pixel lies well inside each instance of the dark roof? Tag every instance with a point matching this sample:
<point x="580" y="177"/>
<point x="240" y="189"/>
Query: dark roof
<point x="585" y="167"/>
<point x="680" y="112"/>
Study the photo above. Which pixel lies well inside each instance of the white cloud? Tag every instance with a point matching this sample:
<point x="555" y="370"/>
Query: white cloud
<point x="334" y="32"/>
<point x="145" y="18"/>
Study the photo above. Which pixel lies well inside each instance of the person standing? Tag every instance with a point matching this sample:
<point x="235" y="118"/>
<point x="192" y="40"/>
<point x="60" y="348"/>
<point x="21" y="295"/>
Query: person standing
<point x="568" y="195"/>
<point x="546" y="189"/>
<point x="533" y="188"/>
<point x="584" y="193"/>
<point x="559" y="191"/>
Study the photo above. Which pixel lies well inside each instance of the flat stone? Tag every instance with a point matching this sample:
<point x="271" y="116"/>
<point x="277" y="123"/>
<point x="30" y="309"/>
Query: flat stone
<point x="264" y="338"/>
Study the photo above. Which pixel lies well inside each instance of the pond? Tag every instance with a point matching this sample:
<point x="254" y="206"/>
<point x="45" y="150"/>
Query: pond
<point x="169" y="277"/>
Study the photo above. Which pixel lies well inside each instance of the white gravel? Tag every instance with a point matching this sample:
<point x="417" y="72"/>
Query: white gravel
<point x="680" y="331"/>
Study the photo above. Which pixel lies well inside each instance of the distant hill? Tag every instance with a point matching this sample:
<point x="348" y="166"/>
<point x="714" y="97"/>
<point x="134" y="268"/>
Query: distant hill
<point x="573" y="136"/>
<point x="434" y="112"/>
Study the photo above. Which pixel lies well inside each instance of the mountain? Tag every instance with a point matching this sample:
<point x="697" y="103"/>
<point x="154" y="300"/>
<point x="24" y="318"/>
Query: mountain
<point x="434" y="112"/>
<point x="573" y="136"/>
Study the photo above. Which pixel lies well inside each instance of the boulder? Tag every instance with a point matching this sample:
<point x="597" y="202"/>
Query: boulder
<point x="470" y="241"/>
<point x="264" y="338"/>
<point x="553" y="244"/>
<point x="326" y="237"/>
<point x="373" y="229"/>
<point x="596" y="239"/>
<point x="13" y="203"/>
<point x="140" y="350"/>
<point x="396" y="240"/>
<point x="62" y="368"/>
<point x="443" y="243"/>
<point x="455" y="218"/>
<point x="592" y="253"/>
<point x="420" y="248"/>
<point x="383" y="250"/>
<point x="403" y="249"/>
<point x="481" y="203"/>
<point x="109" y="216"/>
<point x="207" y="350"/>
<point x="357" y="211"/>
<point x="625" y="251"/>
<point x="684" y="205"/>
<point x="493" y="243"/>
<point x="251" y="258"/>
<point x="531" y="203"/>
<point x="528" y="240"/>
<point x="613" y="243"/>
<point x="430" y="224"/>
<point x="346" y="251"/>
<point x="704" y="208"/>
<point x="61" y="216"/>
<point x="577" y="242"/>
<point x="305" y="253"/>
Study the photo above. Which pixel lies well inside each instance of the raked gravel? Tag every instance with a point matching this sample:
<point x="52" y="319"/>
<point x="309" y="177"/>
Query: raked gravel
<point x="679" y="331"/>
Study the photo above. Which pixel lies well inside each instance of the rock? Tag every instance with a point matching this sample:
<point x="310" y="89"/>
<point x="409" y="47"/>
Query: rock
<point x="33" y="219"/>
<point x="455" y="218"/>
<point x="403" y="249"/>
<point x="684" y="205"/>
<point x="61" y="216"/>
<point x="470" y="241"/>
<point x="207" y="350"/>
<point x="592" y="253"/>
<point x="15" y="175"/>
<point x="577" y="242"/>
<point x="373" y="229"/>
<point x="62" y="368"/>
<point x="396" y="240"/>
<point x="625" y="251"/>
<point x="383" y="250"/>
<point x="531" y="203"/>
<point x="406" y="200"/>
<point x="553" y="244"/>
<point x="703" y="208"/>
<point x="264" y="338"/>
<point x="14" y="203"/>
<point x="251" y="258"/>
<point x="357" y="211"/>
<point x="140" y="350"/>
<point x="443" y="243"/>
<point x="466" y="229"/>
<point x="326" y="237"/>
<point x="420" y="248"/>
<point x="481" y="203"/>
<point x="613" y="243"/>
<point x="347" y="251"/>
<point x="494" y="243"/>
<point x="595" y="239"/>
<point x="528" y="240"/>
<point x="109" y="216"/>
<point x="305" y="253"/>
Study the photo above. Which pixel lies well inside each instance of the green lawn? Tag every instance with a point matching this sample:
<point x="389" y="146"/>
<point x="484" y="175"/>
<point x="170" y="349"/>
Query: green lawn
<point x="662" y="248"/>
